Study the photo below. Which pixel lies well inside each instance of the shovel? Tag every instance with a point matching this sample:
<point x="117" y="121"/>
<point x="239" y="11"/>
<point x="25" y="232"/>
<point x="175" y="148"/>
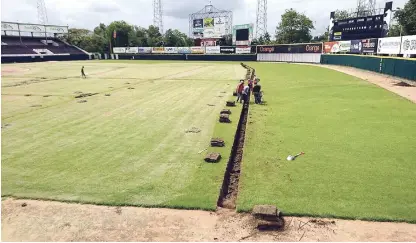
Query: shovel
<point x="291" y="157"/>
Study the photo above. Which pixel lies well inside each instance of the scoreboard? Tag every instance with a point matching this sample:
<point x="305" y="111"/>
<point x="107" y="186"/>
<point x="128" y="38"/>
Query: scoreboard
<point x="375" y="26"/>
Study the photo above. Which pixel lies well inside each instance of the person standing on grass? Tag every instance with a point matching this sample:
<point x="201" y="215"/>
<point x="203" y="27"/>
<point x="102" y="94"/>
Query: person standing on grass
<point x="246" y="93"/>
<point x="239" y="91"/>
<point x="82" y="73"/>
<point x="250" y="84"/>
<point x="256" y="92"/>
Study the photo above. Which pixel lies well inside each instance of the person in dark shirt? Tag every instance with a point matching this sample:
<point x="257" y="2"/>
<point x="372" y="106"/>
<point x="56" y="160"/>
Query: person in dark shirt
<point x="82" y="72"/>
<point x="257" y="93"/>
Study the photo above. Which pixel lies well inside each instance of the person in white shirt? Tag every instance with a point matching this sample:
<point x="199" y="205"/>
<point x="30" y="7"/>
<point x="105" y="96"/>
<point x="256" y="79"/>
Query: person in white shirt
<point x="246" y="93"/>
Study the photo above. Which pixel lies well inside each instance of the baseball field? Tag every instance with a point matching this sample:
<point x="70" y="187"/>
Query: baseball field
<point x="138" y="132"/>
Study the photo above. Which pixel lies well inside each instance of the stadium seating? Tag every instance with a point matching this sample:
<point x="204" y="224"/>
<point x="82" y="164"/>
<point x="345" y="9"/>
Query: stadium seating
<point x="26" y="45"/>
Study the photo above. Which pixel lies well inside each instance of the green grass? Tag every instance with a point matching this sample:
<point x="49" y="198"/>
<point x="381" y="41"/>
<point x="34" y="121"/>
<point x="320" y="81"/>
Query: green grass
<point x="130" y="148"/>
<point x="359" y="140"/>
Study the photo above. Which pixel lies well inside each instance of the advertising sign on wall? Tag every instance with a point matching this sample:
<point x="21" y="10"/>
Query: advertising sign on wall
<point x="144" y="50"/>
<point x="369" y="45"/>
<point x="118" y="50"/>
<point x="132" y="50"/>
<point x="389" y="45"/>
<point x="209" y="23"/>
<point x="408" y="45"/>
<point x="209" y="33"/>
<point x="219" y="26"/>
<point x="227" y="50"/>
<point x="356" y="46"/>
<point x="32" y="28"/>
<point x="212" y="50"/>
<point x="6" y="26"/>
<point x="57" y="29"/>
<point x="243" y="50"/>
<point x="331" y="47"/>
<point x="197" y="50"/>
<point x="296" y="48"/>
<point x="344" y="46"/>
<point x="171" y="50"/>
<point x="198" y="23"/>
<point x="158" y="50"/>
<point x="184" y="50"/>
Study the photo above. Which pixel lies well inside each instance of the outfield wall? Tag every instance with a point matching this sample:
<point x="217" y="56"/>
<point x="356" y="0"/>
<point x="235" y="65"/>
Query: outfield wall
<point x="398" y="67"/>
<point x="189" y="57"/>
<point x="289" y="57"/>
<point x="43" y="58"/>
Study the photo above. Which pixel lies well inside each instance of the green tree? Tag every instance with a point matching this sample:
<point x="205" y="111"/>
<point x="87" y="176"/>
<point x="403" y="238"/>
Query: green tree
<point x="123" y="31"/>
<point x="407" y="18"/>
<point x="341" y="14"/>
<point x="176" y="38"/>
<point x="294" y="28"/>
<point x="154" y="37"/>
<point x="395" y="30"/>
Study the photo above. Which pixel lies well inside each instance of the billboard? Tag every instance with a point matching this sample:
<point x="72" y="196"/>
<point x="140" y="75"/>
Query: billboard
<point x="184" y="50"/>
<point x="209" y="23"/>
<point x="118" y="50"/>
<point x="227" y="50"/>
<point x="408" y="45"/>
<point x="198" y="33"/>
<point x="212" y="50"/>
<point x="32" y="28"/>
<point x="344" y="46"/>
<point x="57" y="29"/>
<point x="132" y="50"/>
<point x="198" y="23"/>
<point x="356" y="46"/>
<point x="243" y="39"/>
<point x="158" y="50"/>
<point x="331" y="47"/>
<point x="144" y="50"/>
<point x="390" y="45"/>
<point x="197" y="50"/>
<point x="369" y="45"/>
<point x="243" y="50"/>
<point x="171" y="50"/>
<point x="294" y="48"/>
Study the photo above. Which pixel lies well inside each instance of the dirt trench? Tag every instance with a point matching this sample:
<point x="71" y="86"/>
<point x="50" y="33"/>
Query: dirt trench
<point x="229" y="189"/>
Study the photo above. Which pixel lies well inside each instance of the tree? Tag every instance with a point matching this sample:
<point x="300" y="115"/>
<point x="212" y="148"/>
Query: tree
<point x="294" y="28"/>
<point x="395" y="30"/>
<point x="176" y="38"/>
<point x="154" y="37"/>
<point x="407" y="18"/>
<point x="341" y="14"/>
<point x="123" y="31"/>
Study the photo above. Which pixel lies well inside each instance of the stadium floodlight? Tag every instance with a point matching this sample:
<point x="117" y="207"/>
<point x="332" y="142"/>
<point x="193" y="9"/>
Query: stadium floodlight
<point x="42" y="14"/>
<point x="261" y="21"/>
<point x="158" y="15"/>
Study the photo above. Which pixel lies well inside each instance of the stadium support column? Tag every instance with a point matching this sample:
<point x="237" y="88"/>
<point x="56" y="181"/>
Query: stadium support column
<point x="158" y="15"/>
<point x="261" y="22"/>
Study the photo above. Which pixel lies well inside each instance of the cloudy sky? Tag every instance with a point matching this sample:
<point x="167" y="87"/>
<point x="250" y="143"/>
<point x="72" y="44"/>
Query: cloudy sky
<point x="89" y="13"/>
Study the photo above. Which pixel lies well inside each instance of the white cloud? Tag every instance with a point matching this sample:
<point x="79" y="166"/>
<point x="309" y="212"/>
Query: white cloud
<point x="89" y="13"/>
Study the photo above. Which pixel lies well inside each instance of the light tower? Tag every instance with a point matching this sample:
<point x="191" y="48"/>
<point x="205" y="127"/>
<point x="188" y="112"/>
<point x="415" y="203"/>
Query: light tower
<point x="366" y="7"/>
<point x="158" y="15"/>
<point x="261" y="21"/>
<point x="42" y="14"/>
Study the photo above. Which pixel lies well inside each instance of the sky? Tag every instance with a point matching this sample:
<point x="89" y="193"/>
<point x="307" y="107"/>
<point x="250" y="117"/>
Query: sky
<point x="90" y="13"/>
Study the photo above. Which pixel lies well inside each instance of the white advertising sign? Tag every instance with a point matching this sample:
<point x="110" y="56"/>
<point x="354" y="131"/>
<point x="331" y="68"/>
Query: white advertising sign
<point x="171" y="50"/>
<point x="197" y="50"/>
<point x="132" y="50"/>
<point x="212" y="50"/>
<point x="118" y="50"/>
<point x="390" y="45"/>
<point x="408" y="45"/>
<point x="184" y="50"/>
<point x="31" y="28"/>
<point x="209" y="33"/>
<point x="144" y="50"/>
<point x="57" y="29"/>
<point x="344" y="46"/>
<point x="219" y="26"/>
<point x="243" y="50"/>
<point x="5" y="26"/>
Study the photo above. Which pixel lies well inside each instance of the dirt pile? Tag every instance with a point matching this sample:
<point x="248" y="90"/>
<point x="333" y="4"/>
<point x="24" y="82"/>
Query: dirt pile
<point x="83" y="95"/>
<point x="212" y="157"/>
<point x="217" y="142"/>
<point x="225" y="118"/>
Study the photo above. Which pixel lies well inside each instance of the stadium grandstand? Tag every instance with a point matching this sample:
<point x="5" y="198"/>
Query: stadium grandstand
<point x="33" y="42"/>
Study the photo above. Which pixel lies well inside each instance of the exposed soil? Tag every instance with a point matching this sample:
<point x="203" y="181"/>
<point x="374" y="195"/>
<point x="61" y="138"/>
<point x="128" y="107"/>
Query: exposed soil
<point x="403" y="84"/>
<point x="55" y="221"/>
<point x="83" y="95"/>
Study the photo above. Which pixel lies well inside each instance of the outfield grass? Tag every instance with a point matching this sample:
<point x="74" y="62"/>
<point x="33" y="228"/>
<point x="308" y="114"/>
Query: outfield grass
<point x="359" y="141"/>
<point x="130" y="148"/>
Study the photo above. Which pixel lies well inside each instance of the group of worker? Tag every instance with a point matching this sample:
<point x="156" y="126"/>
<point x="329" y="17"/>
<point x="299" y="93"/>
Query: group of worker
<point x="243" y="91"/>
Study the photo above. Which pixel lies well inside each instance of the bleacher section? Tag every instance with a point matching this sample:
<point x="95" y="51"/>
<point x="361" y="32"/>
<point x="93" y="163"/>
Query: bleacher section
<point x="27" y="45"/>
